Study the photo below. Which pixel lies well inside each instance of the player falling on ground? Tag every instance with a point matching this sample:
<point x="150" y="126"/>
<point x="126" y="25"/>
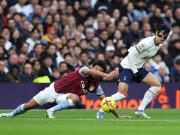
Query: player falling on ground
<point x="132" y="67"/>
<point x="66" y="91"/>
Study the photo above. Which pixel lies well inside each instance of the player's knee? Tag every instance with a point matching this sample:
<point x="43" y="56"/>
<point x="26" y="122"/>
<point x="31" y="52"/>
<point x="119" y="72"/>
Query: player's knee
<point x="74" y="97"/>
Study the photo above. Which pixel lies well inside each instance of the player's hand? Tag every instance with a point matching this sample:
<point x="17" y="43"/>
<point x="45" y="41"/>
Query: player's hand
<point x="124" y="117"/>
<point x="138" y="75"/>
<point x="113" y="74"/>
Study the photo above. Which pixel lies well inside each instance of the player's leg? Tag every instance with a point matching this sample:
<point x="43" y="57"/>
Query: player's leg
<point x="152" y="81"/>
<point x="64" y="101"/>
<point x="124" y="79"/>
<point x="21" y="109"/>
<point x="48" y="95"/>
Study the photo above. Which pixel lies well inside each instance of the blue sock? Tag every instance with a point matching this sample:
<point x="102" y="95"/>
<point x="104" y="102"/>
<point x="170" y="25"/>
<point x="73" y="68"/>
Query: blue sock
<point x="19" y="110"/>
<point x="63" y="105"/>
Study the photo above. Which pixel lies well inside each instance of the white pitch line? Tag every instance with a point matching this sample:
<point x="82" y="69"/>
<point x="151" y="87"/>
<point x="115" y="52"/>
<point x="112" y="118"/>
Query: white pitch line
<point x="94" y="119"/>
<point x="131" y="120"/>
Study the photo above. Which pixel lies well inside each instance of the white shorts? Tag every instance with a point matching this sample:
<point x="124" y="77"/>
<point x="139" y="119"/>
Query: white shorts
<point x="48" y="95"/>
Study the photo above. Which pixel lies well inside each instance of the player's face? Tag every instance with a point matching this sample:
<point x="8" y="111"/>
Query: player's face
<point x="161" y="37"/>
<point x="97" y="67"/>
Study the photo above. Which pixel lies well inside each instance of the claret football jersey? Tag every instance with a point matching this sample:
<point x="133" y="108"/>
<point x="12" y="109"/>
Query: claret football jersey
<point x="77" y="83"/>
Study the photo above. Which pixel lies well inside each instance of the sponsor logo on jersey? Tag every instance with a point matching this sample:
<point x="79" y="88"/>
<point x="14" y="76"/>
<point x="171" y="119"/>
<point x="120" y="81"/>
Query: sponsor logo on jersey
<point x="85" y="91"/>
<point x="145" y="58"/>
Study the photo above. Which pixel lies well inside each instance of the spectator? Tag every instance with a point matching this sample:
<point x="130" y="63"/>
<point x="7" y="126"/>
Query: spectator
<point x="161" y="74"/>
<point x="11" y="24"/>
<point x="49" y="37"/>
<point x="156" y="19"/>
<point x="81" y="15"/>
<point x="63" y="66"/>
<point x="35" y="54"/>
<point x="3" y="75"/>
<point x="51" y="51"/>
<point x="43" y="77"/>
<point x="15" y="39"/>
<point x="24" y="31"/>
<point x="157" y="62"/>
<point x="33" y="39"/>
<point x="28" y="76"/>
<point x="47" y="62"/>
<point x="139" y="10"/>
<point x="175" y="70"/>
<point x="13" y="60"/>
<point x="166" y="55"/>
<point x="69" y="60"/>
<point x="83" y="59"/>
<point x="134" y="34"/>
<point x="5" y="32"/>
<point x="131" y="12"/>
<point x="55" y="75"/>
<point x="24" y="48"/>
<point x="22" y="60"/>
<point x="94" y="47"/>
<point x="13" y="75"/>
<point x="168" y="19"/>
<point x="21" y="8"/>
<point x="36" y="67"/>
<point x="177" y="15"/>
<point x="48" y="20"/>
<point x="90" y="33"/>
<point x="174" y="50"/>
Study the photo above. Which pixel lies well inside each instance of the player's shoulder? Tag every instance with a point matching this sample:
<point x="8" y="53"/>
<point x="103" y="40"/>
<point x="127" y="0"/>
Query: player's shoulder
<point x="80" y="71"/>
<point x="147" y="42"/>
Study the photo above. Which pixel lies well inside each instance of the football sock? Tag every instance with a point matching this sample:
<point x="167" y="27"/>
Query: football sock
<point x="19" y="110"/>
<point x="61" y="106"/>
<point x="101" y="110"/>
<point x="149" y="95"/>
<point x="118" y="96"/>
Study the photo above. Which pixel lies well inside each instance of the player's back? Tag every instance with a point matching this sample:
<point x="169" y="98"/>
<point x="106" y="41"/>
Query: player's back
<point x="75" y="83"/>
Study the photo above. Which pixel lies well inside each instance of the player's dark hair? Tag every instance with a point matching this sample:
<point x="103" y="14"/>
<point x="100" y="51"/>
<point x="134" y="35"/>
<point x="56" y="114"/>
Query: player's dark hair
<point x="101" y="64"/>
<point x="163" y="27"/>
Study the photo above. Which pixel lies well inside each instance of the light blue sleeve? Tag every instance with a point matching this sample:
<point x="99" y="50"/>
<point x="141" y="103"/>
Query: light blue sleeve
<point x="99" y="91"/>
<point x="80" y="72"/>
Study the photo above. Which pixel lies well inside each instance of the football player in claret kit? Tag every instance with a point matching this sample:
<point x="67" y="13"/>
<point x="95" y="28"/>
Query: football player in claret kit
<point x="66" y="91"/>
<point x="132" y="67"/>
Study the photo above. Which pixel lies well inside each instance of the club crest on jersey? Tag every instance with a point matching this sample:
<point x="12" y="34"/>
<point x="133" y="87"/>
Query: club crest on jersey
<point x="91" y="88"/>
<point x="145" y="58"/>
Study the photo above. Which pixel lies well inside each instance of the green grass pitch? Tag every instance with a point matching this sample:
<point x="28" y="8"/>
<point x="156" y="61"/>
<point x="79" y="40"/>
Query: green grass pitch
<point x="84" y="122"/>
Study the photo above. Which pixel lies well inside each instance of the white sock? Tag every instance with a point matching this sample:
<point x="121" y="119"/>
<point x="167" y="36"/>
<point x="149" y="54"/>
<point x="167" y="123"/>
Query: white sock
<point x="149" y="95"/>
<point x="118" y="96"/>
<point x="101" y="110"/>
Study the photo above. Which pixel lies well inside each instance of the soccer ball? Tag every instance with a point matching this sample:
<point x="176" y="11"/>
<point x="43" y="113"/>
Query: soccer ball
<point x="108" y="104"/>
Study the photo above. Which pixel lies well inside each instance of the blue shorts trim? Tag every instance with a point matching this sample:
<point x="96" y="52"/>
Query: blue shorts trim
<point x="126" y="75"/>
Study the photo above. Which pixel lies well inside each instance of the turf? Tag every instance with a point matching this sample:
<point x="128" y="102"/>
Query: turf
<point x="84" y="122"/>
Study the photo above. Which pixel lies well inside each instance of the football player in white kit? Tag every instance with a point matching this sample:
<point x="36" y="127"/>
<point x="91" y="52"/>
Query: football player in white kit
<point x="132" y="67"/>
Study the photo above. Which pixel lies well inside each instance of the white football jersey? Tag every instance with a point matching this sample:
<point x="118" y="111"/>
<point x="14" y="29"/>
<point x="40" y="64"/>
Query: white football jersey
<point x="140" y="53"/>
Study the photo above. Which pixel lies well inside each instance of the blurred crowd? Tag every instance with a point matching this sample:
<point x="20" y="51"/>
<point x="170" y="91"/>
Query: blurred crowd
<point x="44" y="40"/>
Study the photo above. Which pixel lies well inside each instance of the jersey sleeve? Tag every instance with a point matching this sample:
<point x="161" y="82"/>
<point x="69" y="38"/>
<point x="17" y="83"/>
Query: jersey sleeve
<point x="80" y="72"/>
<point x="142" y="46"/>
<point x="99" y="91"/>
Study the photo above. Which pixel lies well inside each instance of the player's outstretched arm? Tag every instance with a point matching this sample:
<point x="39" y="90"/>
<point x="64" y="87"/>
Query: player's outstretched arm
<point x="118" y="116"/>
<point x="97" y="73"/>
